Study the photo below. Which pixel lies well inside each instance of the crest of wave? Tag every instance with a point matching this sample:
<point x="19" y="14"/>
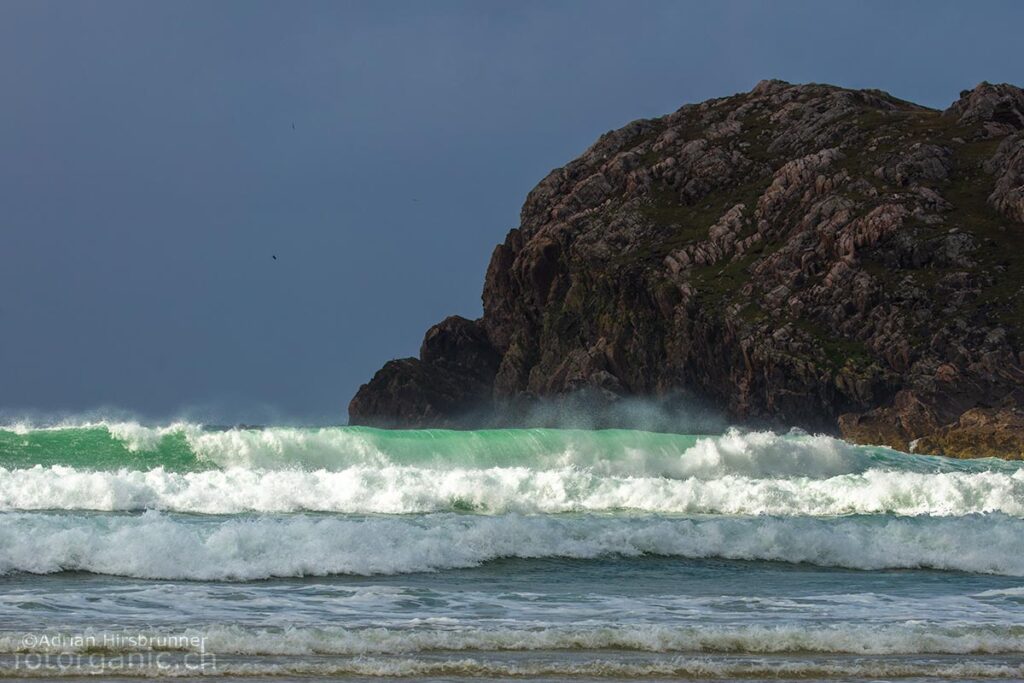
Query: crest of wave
<point x="610" y="452"/>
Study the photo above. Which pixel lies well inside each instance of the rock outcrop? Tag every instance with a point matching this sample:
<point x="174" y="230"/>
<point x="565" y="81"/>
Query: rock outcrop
<point x="450" y="383"/>
<point x="839" y="260"/>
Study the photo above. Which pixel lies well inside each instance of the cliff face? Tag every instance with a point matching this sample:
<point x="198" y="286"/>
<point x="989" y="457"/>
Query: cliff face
<point x="799" y="255"/>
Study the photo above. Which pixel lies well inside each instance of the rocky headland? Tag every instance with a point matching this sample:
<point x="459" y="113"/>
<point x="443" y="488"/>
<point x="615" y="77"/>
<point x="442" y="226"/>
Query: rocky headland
<point x="798" y="255"/>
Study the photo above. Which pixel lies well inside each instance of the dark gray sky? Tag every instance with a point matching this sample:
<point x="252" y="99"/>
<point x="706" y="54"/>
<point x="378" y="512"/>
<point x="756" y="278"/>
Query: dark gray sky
<point x="149" y="167"/>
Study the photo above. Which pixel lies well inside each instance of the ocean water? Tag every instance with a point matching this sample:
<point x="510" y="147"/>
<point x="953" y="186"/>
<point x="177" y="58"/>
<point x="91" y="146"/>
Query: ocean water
<point x="184" y="552"/>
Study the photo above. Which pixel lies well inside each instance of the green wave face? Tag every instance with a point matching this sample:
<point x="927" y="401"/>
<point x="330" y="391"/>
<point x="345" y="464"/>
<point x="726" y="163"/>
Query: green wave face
<point x="93" y="447"/>
<point x="521" y="447"/>
<point x="185" y="447"/>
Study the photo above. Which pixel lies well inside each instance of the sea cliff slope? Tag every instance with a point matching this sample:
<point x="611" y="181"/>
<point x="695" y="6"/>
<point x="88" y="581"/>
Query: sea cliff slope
<point x="839" y="260"/>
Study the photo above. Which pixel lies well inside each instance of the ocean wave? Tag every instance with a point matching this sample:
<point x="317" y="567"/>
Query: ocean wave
<point x="160" y="546"/>
<point x="606" y="452"/>
<point x="406" y="490"/>
<point x="134" y="436"/>
<point x="842" y="638"/>
<point x="185" y="446"/>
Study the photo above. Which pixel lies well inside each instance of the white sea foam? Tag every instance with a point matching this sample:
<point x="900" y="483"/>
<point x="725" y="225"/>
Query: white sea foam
<point x="1015" y="592"/>
<point x="407" y="489"/>
<point x="844" y="638"/>
<point x="156" y="545"/>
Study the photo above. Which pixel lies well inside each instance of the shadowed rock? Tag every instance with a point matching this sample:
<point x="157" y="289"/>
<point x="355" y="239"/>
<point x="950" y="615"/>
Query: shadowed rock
<point x="447" y="386"/>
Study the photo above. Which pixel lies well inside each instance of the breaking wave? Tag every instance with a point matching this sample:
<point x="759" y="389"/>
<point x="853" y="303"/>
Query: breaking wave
<point x="161" y="546"/>
<point x="407" y="489"/>
<point x="184" y="447"/>
<point x="182" y="467"/>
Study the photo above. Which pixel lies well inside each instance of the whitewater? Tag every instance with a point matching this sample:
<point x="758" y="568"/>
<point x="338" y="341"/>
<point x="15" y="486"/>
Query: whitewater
<point x="542" y="553"/>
